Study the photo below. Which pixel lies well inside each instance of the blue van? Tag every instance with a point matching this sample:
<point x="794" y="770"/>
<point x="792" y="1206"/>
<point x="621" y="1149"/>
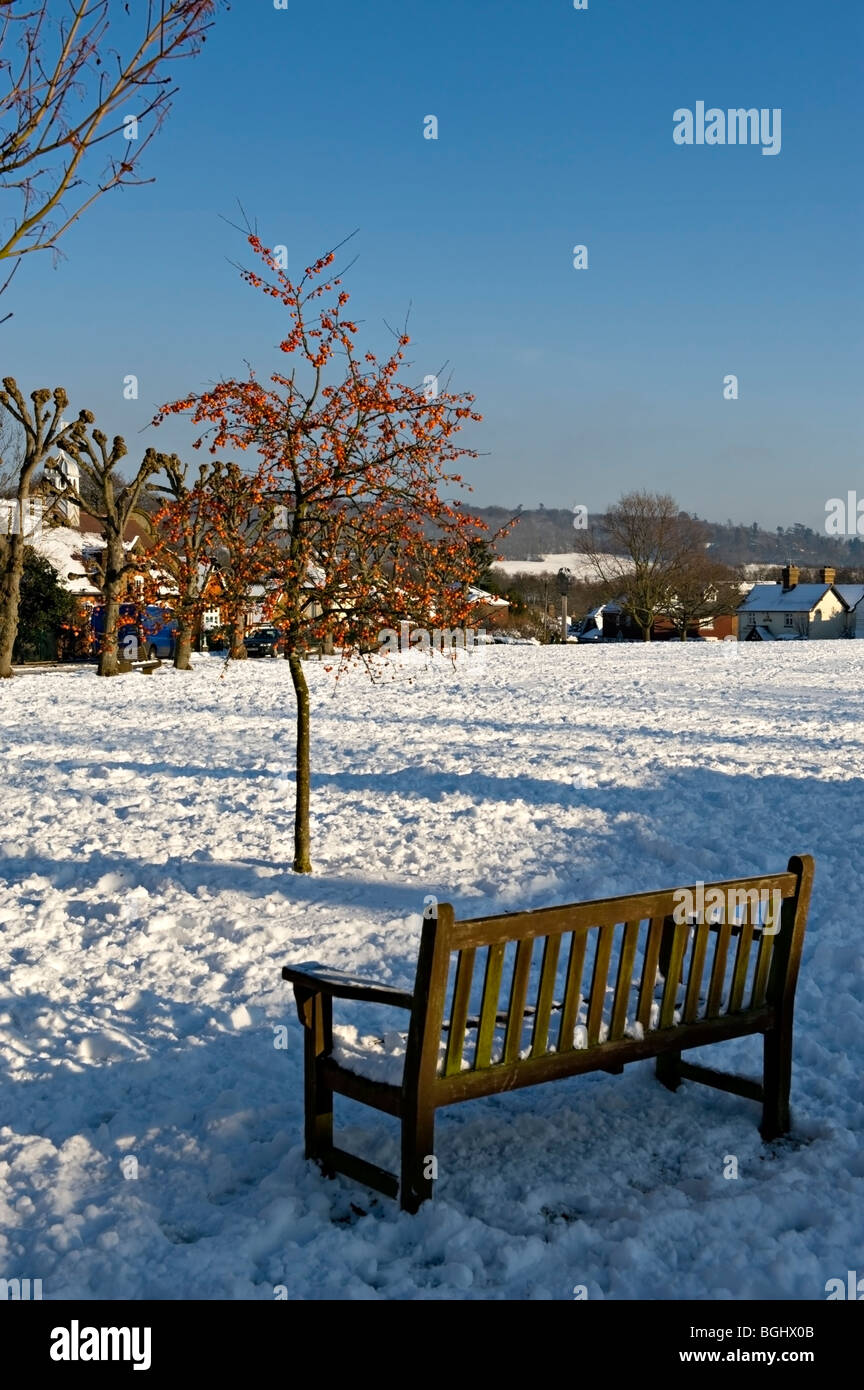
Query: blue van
<point x="128" y="635"/>
<point x="158" y="632"/>
<point x="148" y="633"/>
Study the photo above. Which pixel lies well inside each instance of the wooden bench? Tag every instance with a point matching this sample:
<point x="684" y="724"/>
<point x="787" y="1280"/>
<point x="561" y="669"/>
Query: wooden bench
<point x="145" y="667"/>
<point x="674" y="985"/>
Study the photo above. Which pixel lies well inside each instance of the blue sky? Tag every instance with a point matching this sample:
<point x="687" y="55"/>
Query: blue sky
<point x="555" y="129"/>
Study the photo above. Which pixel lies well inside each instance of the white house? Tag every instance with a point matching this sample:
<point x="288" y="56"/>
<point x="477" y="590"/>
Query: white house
<point x="790" y="611"/>
<point x="853" y="595"/>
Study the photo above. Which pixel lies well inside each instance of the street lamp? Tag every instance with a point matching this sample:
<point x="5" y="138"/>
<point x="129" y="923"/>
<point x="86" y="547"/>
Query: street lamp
<point x="564" y="577"/>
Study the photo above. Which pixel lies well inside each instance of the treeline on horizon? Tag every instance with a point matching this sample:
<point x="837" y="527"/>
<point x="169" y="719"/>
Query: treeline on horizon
<point x="549" y="531"/>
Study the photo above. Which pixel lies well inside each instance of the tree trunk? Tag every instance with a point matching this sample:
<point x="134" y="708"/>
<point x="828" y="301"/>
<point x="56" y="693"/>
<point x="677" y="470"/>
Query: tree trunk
<point x="302" y="863"/>
<point x="115" y="561"/>
<point x="10" y="593"/>
<point x="183" y="649"/>
<point x="238" y="650"/>
<point x="109" y="656"/>
<point x="646" y="633"/>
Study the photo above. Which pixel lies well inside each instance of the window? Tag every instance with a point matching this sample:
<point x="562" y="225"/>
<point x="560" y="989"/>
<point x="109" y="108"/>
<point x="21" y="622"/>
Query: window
<point x="787" y="621"/>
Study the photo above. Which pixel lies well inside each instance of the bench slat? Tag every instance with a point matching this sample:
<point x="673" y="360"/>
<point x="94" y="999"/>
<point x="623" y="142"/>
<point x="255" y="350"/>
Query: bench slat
<point x="718" y="969"/>
<point x="459" y="1014"/>
<point x="573" y="990"/>
<point x="742" y="958"/>
<point x="606" y="1057"/>
<point x="649" y="972"/>
<point x="540" y="1036"/>
<point x="701" y="934"/>
<point x="679" y="938"/>
<point x="547" y="921"/>
<point x="624" y="981"/>
<point x="489" y="1005"/>
<point x="518" y="992"/>
<point x="599" y="977"/>
<point x="763" y="962"/>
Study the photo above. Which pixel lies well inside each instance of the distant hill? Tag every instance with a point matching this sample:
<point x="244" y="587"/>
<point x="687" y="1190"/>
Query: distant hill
<point x="546" y="531"/>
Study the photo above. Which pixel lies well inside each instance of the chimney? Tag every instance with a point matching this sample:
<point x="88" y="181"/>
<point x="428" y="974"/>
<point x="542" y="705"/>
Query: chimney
<point x="827" y="574"/>
<point x="789" y="576"/>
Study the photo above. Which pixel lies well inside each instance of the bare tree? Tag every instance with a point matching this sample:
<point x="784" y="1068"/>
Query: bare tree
<point x="117" y="503"/>
<point x="39" y="430"/>
<point x="703" y="589"/>
<point x="68" y="89"/>
<point x="185" y="541"/>
<point x="637" y="551"/>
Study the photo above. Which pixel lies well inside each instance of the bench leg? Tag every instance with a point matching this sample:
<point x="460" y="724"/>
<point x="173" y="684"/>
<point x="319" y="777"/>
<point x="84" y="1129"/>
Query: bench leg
<point x="418" y="1158"/>
<point x="776" y="1081"/>
<point x="667" y="1066"/>
<point x="316" y="1012"/>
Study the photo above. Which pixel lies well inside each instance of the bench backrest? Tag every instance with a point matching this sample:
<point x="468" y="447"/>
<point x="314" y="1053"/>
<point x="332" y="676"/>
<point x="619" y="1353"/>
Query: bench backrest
<point x="530" y="989"/>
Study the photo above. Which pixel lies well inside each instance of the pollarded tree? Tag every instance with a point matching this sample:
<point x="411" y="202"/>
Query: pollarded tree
<point x="37" y="430"/>
<point x="357" y="459"/>
<point x="113" y="501"/>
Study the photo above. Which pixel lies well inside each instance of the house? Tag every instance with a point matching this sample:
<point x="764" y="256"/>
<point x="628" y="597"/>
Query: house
<point x="487" y="609"/>
<point x="610" y="622"/>
<point x="790" y="611"/>
<point x="853" y="595"/>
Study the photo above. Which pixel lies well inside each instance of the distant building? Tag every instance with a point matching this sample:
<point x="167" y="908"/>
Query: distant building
<point x="853" y="595"/>
<point x="487" y="609"/>
<point x="795" y="612"/>
<point x="63" y="475"/>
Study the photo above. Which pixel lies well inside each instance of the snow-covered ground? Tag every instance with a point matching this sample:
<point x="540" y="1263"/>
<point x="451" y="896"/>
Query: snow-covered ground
<point x="146" y="910"/>
<point x="578" y="564"/>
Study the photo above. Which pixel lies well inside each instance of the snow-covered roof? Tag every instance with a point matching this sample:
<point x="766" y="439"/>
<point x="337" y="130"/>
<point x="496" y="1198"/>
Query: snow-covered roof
<point x="61" y="546"/>
<point x="610" y="607"/>
<point x="773" y="598"/>
<point x="476" y="595"/>
<point x="850" y="593"/>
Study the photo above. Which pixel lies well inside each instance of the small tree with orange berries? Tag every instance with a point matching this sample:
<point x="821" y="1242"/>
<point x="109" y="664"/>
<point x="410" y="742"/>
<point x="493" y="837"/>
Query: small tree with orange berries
<point x="356" y="458"/>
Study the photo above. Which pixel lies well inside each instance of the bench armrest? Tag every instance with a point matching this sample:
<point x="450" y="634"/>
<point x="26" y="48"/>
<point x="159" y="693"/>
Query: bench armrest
<point x="316" y="980"/>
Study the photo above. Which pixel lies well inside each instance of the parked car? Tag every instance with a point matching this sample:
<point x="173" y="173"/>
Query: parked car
<point x="263" y="641"/>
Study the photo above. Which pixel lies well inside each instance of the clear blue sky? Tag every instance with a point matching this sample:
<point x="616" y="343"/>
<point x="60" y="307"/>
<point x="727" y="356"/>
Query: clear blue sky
<point x="555" y="128"/>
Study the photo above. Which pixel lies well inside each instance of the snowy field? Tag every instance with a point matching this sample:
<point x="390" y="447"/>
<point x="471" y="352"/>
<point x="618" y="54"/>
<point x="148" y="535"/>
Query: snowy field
<point x="579" y="565"/>
<point x="146" y="910"/>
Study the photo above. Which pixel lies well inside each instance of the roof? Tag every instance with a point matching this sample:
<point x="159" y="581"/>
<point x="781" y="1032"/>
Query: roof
<point x="61" y="545"/>
<point x="850" y="593"/>
<point x="89" y="525"/>
<point x="476" y="595"/>
<point x="772" y="598"/>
